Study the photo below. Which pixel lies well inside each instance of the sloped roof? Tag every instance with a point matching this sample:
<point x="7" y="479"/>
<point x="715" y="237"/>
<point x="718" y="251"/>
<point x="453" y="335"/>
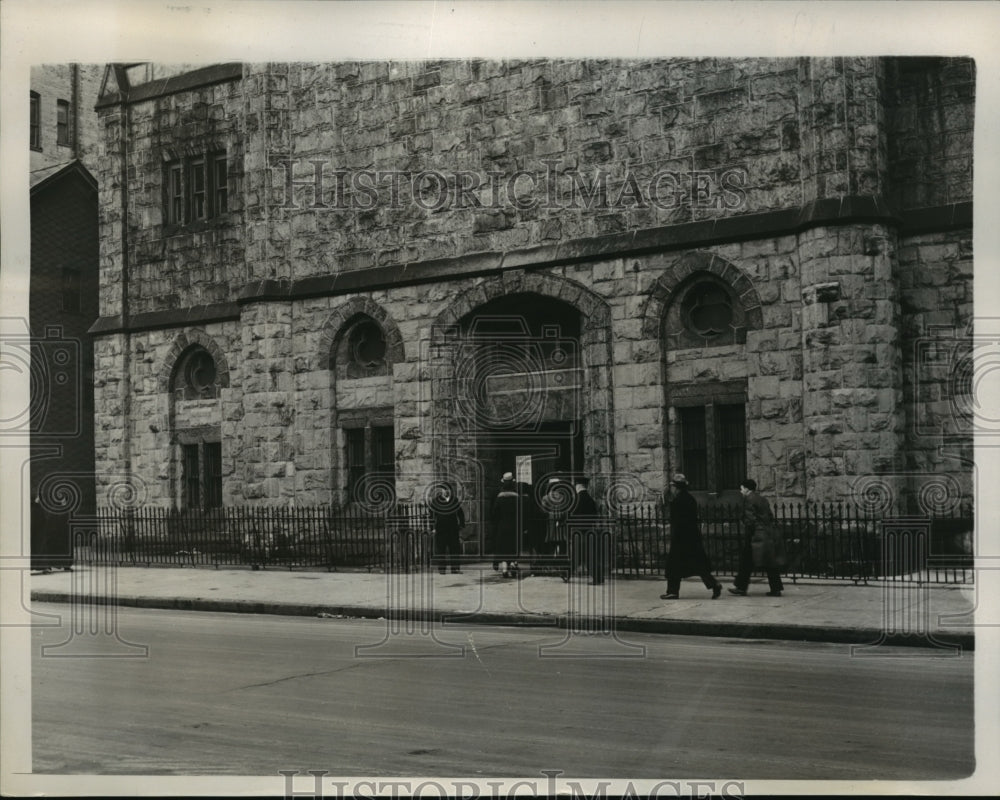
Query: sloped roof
<point x="41" y="178"/>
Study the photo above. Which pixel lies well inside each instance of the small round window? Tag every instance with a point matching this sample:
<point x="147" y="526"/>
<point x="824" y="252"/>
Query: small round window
<point x="367" y="344"/>
<point x="199" y="371"/>
<point x="707" y="310"/>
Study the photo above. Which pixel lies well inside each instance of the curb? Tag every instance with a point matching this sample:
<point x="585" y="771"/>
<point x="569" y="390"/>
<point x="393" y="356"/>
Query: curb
<point x="679" y="627"/>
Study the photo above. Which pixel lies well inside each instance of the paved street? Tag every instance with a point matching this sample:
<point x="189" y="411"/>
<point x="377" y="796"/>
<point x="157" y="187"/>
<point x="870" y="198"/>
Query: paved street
<point x="243" y="694"/>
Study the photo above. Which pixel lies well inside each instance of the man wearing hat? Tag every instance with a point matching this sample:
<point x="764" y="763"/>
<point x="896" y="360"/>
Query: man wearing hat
<point x="763" y="545"/>
<point x="687" y="554"/>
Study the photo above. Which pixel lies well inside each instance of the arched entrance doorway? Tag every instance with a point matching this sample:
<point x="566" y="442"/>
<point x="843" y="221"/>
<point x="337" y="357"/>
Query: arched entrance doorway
<point x="519" y="372"/>
<point x="519" y="401"/>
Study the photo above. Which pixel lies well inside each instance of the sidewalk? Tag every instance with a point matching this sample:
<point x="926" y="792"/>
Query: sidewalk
<point x="826" y="611"/>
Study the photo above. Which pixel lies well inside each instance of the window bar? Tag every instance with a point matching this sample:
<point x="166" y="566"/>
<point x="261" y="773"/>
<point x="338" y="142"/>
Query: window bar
<point x="220" y="204"/>
<point x="34" y="121"/>
<point x="176" y="194"/>
<point x="711" y="449"/>
<point x="196" y="172"/>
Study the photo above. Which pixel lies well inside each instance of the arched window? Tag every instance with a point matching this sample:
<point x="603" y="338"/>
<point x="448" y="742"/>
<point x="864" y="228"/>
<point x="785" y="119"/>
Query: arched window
<point x="364" y="412"/>
<point x="707" y="404"/>
<point x="196" y="376"/>
<point x="196" y="381"/>
<point x="366" y="345"/>
<point x="705" y="312"/>
<point x="362" y="351"/>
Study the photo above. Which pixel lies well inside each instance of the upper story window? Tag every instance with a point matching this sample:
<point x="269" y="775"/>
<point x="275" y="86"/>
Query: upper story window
<point x="706" y="312"/>
<point x="220" y="183"/>
<point x="34" y="122"/>
<point x="367" y="345"/>
<point x="197" y="376"/>
<point x="197" y="188"/>
<point x="200" y="373"/>
<point x="362" y="350"/>
<point x="62" y="122"/>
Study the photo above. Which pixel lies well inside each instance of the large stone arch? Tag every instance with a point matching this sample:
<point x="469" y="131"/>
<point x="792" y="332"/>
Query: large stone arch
<point x="596" y="393"/>
<point x="662" y="292"/>
<point x="395" y="350"/>
<point x="594" y="309"/>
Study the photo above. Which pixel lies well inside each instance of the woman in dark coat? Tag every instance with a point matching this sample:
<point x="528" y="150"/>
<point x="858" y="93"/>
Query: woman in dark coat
<point x="507" y="516"/>
<point x="687" y="555"/>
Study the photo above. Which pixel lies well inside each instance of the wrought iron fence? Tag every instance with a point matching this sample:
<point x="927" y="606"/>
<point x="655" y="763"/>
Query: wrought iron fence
<point x="822" y="540"/>
<point x="323" y="537"/>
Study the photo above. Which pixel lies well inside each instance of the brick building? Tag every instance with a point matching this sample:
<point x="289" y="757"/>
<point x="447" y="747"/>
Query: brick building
<point x="63" y="142"/>
<point x="62" y="122"/>
<point x="320" y="282"/>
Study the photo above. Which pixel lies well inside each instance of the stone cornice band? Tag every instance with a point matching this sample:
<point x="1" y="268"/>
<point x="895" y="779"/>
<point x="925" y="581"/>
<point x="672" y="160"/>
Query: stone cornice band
<point x="706" y="233"/>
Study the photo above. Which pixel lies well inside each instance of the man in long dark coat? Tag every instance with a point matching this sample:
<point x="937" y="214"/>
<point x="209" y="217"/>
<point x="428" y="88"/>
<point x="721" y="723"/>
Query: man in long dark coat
<point x="687" y="554"/>
<point x="759" y="521"/>
<point x="507" y="516"/>
<point x="449" y="519"/>
<point x="586" y="526"/>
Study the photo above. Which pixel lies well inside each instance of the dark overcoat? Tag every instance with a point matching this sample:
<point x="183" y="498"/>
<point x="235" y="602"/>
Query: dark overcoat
<point x="583" y="515"/>
<point x="448" y="522"/>
<point x="507" y="515"/>
<point x="556" y="513"/>
<point x="535" y="520"/>
<point x="687" y="554"/>
<point x="589" y="544"/>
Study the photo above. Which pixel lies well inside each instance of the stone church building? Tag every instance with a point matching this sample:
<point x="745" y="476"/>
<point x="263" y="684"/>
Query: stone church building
<point x="344" y="282"/>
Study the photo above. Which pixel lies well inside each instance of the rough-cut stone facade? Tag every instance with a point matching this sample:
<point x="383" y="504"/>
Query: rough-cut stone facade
<point x="828" y="199"/>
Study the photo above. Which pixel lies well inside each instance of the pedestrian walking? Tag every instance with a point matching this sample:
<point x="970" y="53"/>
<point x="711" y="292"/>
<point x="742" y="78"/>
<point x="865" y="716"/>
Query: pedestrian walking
<point x="449" y="519"/>
<point x="687" y="554"/>
<point x="586" y="523"/>
<point x="763" y="546"/>
<point x="507" y="516"/>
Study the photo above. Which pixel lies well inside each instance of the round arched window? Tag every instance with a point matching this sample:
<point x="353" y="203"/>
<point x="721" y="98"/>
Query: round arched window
<point x="367" y="344"/>
<point x="963" y="387"/>
<point x="707" y="309"/>
<point x="199" y="371"/>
